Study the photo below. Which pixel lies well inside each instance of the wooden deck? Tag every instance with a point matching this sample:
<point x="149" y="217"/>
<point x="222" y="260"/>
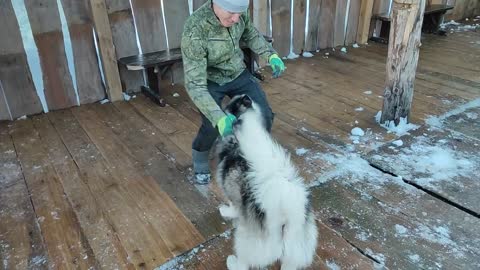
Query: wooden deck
<point x="106" y="186"/>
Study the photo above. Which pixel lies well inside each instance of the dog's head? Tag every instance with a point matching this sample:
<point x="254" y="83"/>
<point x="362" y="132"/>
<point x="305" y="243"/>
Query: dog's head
<point x="238" y="105"/>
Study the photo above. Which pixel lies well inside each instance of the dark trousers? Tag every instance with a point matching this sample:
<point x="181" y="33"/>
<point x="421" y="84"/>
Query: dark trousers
<point x="244" y="84"/>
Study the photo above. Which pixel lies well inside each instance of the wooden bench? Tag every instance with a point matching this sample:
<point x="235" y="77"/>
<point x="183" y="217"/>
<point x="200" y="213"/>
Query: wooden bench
<point x="157" y="64"/>
<point x="432" y="18"/>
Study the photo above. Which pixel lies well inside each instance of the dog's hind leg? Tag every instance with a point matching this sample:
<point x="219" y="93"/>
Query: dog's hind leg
<point x="233" y="263"/>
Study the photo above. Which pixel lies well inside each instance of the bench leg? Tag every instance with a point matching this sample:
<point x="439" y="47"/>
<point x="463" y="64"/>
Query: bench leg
<point x="152" y="90"/>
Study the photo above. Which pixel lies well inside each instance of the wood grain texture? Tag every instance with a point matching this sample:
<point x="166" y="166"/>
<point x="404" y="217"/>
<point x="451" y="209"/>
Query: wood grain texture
<point x="176" y="12"/>
<point x="107" y="53"/>
<point x="403" y="52"/>
<point x="313" y="25"/>
<point x="198" y="3"/>
<point x="299" y="20"/>
<point x="94" y="221"/>
<point x="63" y="238"/>
<point x="150" y="27"/>
<point x="59" y="91"/>
<point x="15" y="77"/>
<point x="124" y="39"/>
<point x="326" y="31"/>
<point x="340" y="27"/>
<point x="364" y="21"/>
<point x="281" y="26"/>
<point x="353" y="19"/>
<point x="87" y="69"/>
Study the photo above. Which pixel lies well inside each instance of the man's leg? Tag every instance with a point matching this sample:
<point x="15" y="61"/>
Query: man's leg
<point x="206" y="136"/>
<point x="248" y="85"/>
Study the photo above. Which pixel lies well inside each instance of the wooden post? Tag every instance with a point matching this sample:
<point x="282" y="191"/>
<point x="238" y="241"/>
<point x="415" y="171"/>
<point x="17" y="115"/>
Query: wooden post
<point x="364" y="21"/>
<point x="403" y="50"/>
<point x="107" y="50"/>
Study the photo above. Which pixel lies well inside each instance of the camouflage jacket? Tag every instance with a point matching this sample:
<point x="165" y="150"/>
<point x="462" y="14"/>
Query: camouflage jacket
<point x="212" y="52"/>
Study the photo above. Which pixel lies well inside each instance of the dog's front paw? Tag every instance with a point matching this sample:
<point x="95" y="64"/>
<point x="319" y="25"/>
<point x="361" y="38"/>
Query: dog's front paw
<point x="232" y="262"/>
<point x="228" y="211"/>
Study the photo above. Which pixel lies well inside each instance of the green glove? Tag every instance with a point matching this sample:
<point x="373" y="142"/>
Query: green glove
<point x="225" y="124"/>
<point x="277" y="65"/>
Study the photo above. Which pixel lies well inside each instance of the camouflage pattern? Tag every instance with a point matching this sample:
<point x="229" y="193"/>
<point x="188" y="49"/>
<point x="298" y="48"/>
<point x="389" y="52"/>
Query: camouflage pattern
<point x="212" y="52"/>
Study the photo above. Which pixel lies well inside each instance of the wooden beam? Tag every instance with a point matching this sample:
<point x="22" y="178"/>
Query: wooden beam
<point x="107" y="50"/>
<point x="403" y="51"/>
<point x="364" y="21"/>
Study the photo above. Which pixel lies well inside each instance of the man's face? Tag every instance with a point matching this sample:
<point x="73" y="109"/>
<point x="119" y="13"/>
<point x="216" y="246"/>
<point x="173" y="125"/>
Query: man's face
<point x="227" y="19"/>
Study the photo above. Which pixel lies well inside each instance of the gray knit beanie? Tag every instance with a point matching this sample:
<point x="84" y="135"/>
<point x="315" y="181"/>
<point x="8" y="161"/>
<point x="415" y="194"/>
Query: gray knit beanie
<point x="234" y="6"/>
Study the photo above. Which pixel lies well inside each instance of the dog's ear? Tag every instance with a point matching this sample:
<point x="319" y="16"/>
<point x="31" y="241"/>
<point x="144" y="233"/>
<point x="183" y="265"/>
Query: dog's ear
<point x="247" y="101"/>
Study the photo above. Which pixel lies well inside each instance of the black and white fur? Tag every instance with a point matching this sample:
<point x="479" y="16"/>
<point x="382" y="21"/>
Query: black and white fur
<point x="269" y="202"/>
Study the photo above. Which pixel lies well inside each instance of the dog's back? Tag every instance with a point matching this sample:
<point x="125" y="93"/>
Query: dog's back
<point x="275" y="220"/>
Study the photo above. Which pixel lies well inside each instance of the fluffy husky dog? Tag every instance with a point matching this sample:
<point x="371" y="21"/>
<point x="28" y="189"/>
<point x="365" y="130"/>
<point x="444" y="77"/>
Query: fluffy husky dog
<point x="268" y="200"/>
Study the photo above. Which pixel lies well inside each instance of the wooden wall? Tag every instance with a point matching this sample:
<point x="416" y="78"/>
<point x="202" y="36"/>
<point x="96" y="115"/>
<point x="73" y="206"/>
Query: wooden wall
<point x="139" y="26"/>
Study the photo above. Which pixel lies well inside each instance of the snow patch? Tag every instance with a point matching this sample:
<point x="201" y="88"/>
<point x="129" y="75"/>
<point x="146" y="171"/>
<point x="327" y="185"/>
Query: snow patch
<point x="398" y="143"/>
<point x="357" y="132"/>
<point x="292" y="55"/>
<point x="401" y="129"/>
<point x="431" y="163"/>
<point x="401" y="230"/>
<point x="126" y="97"/>
<point x="359" y="109"/>
<point x="307" y="54"/>
<point x="414" y="258"/>
<point x="301" y="151"/>
<point x="332" y="265"/>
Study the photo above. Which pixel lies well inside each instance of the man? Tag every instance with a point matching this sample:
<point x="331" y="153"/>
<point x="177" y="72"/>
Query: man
<point x="214" y="68"/>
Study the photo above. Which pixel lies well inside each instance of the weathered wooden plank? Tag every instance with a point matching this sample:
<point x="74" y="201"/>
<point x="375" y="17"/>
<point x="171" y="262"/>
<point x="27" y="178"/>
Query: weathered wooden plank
<point x="176" y="12"/>
<point x="87" y="70"/>
<point x="93" y="219"/>
<point x="364" y="21"/>
<point x="465" y="123"/>
<point x="64" y="240"/>
<point x="340" y="27"/>
<point x="169" y="122"/>
<point x="107" y="53"/>
<point x="59" y="91"/>
<point x="144" y="247"/>
<point x="21" y="245"/>
<point x="10" y="169"/>
<point x="150" y="27"/>
<point x="381" y="230"/>
<point x="200" y="210"/>
<point x="15" y="77"/>
<point x="313" y="25"/>
<point x="299" y="20"/>
<point x="281" y="26"/>
<point x="440" y="162"/>
<point x="4" y="109"/>
<point x="326" y="29"/>
<point x="135" y="120"/>
<point x="260" y="16"/>
<point x="381" y="7"/>
<point x="124" y="39"/>
<point x="174" y="229"/>
<point x="198" y="3"/>
<point x="352" y="25"/>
